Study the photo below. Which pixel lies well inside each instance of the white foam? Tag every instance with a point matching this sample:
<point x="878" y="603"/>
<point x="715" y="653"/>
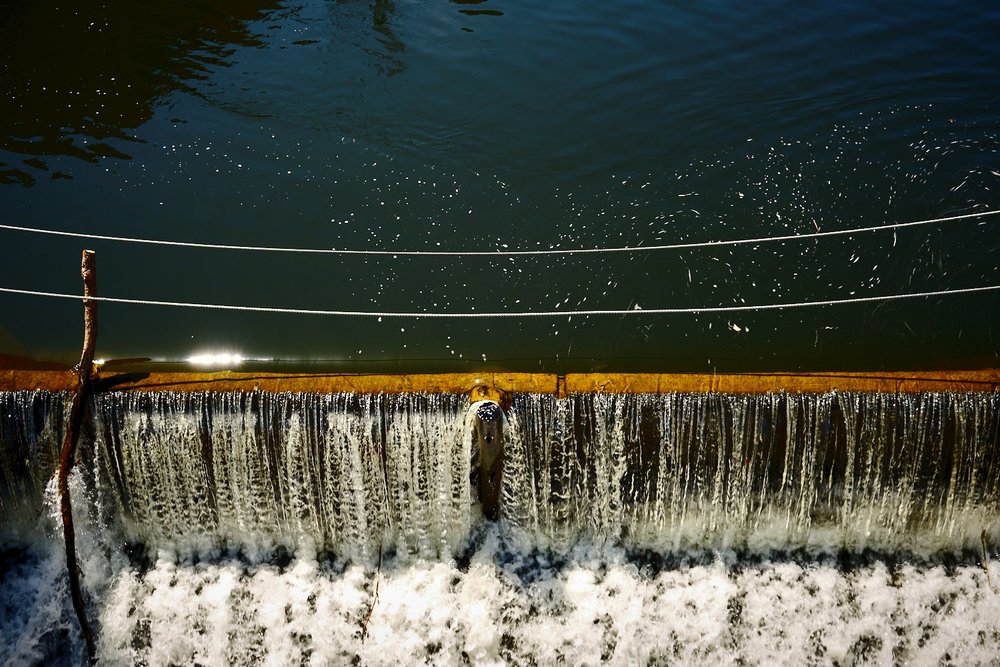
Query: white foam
<point x="594" y="606"/>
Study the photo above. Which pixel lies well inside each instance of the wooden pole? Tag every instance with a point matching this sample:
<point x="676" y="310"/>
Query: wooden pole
<point x="66" y="459"/>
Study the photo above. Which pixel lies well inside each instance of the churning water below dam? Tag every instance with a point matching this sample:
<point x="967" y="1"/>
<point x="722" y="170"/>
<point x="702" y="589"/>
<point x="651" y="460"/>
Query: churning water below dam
<point x="257" y="528"/>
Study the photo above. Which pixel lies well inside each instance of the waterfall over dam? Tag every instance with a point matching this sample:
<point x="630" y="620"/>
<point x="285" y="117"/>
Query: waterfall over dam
<point x="348" y="472"/>
<point x="333" y="528"/>
<point x="836" y="470"/>
<point x="354" y="474"/>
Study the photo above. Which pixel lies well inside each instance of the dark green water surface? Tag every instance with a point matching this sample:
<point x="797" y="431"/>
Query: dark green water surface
<point x="496" y="124"/>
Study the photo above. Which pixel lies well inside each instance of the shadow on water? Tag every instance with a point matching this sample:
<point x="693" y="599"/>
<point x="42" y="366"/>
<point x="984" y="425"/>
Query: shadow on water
<point x="79" y="82"/>
<point x="383" y="45"/>
<point x="477" y="11"/>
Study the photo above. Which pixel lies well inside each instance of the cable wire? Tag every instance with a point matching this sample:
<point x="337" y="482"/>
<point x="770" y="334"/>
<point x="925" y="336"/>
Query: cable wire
<point x="484" y="315"/>
<point x="503" y="253"/>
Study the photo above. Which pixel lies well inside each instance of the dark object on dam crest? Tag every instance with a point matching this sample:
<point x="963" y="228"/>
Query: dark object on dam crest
<point x="488" y="437"/>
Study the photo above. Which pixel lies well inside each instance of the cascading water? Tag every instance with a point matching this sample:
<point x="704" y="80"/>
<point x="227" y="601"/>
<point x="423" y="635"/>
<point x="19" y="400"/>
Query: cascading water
<point x="31" y="434"/>
<point x="353" y="472"/>
<point x="676" y="527"/>
<point x="669" y="472"/>
<point x="350" y="473"/>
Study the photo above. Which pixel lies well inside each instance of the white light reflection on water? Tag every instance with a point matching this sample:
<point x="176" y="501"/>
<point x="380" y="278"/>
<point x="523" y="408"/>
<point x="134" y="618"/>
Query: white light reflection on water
<point x="216" y="359"/>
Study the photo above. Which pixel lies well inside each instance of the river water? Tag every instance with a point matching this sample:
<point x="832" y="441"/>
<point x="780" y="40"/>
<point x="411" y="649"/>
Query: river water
<point x="505" y="125"/>
<point x="216" y="531"/>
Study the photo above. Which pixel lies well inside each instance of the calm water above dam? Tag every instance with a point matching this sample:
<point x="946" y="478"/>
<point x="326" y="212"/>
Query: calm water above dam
<point x="504" y="125"/>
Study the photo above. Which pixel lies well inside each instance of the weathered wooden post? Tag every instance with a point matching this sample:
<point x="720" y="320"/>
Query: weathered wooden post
<point x="80" y="399"/>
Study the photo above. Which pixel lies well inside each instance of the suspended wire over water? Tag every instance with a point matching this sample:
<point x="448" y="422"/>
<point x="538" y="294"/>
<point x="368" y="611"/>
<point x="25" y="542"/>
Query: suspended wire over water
<point x="515" y="314"/>
<point x="503" y="252"/>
